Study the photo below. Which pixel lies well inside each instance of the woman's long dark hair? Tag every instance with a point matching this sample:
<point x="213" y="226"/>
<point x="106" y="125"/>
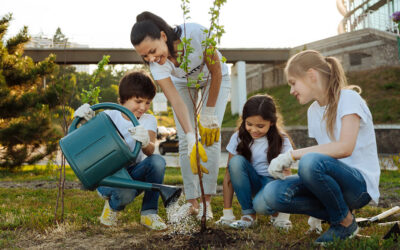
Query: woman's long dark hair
<point x="150" y="25"/>
<point x="264" y="106"/>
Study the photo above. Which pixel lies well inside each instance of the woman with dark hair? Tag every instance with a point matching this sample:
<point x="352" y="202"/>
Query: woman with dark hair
<point x="158" y="44"/>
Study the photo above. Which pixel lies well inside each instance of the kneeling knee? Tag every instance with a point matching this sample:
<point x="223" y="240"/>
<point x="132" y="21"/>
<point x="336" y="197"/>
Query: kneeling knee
<point x="158" y="162"/>
<point x="308" y="164"/>
<point x="236" y="163"/>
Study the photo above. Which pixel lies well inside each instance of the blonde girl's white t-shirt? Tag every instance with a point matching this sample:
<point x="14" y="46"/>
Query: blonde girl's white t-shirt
<point x="365" y="156"/>
<point x="178" y="76"/>
<point x="149" y="122"/>
<point x="259" y="150"/>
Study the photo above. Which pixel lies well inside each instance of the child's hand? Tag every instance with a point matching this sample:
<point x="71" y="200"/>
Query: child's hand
<point x="279" y="164"/>
<point x="287" y="171"/>
<point x="84" y="112"/>
<point x="139" y="133"/>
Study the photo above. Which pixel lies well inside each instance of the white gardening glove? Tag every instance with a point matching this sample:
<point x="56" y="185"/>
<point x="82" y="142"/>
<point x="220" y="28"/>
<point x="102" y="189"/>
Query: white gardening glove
<point x="315" y="225"/>
<point x="208" y="126"/>
<point x="139" y="133"/>
<point x="85" y="112"/>
<point x="278" y="164"/>
<point x="191" y="141"/>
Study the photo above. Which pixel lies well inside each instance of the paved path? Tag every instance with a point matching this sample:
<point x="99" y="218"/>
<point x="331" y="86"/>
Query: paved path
<point x="172" y="160"/>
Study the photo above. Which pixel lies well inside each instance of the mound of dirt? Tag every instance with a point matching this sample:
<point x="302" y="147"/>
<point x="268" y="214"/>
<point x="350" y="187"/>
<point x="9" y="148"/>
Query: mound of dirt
<point x="212" y="238"/>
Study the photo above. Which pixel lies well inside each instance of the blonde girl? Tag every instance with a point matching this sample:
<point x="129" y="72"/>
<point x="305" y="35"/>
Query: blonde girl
<point x="342" y="172"/>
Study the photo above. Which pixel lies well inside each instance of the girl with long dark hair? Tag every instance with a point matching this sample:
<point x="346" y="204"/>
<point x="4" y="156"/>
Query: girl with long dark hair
<point x="259" y="139"/>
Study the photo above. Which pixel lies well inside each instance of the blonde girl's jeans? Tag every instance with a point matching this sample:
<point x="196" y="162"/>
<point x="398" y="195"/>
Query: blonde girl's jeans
<point x="191" y="181"/>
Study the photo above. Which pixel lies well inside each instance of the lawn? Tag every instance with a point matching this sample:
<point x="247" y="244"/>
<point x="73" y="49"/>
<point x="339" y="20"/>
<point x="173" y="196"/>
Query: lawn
<point x="27" y="220"/>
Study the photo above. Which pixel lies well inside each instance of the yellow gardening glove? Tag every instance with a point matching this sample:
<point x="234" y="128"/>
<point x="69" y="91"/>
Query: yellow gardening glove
<point x="208" y="126"/>
<point x="191" y="140"/>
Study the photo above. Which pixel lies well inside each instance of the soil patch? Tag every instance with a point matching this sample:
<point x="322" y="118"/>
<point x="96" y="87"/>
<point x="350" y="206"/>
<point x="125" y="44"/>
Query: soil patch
<point x="211" y="238"/>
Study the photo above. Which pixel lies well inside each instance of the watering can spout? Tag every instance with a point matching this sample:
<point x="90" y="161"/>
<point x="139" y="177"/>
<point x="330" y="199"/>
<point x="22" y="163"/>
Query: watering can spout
<point x="121" y="179"/>
<point x="169" y="194"/>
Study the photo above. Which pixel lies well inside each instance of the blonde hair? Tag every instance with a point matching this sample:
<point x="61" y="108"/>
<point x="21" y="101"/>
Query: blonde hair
<point x="331" y="70"/>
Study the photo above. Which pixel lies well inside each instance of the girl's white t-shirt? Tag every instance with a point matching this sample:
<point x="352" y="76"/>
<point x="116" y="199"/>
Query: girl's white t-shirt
<point x="365" y="156"/>
<point x="259" y="150"/>
<point x="178" y="76"/>
<point x="149" y="122"/>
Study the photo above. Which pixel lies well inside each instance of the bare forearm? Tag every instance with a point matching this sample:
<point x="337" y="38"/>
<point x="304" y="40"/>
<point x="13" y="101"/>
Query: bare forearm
<point x="216" y="78"/>
<point x="177" y="104"/>
<point x="182" y="114"/>
<point x="336" y="150"/>
<point x="149" y="150"/>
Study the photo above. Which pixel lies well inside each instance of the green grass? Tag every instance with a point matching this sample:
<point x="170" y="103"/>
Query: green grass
<point x="380" y="89"/>
<point x="28" y="215"/>
<point x="50" y="173"/>
<point x="32" y="211"/>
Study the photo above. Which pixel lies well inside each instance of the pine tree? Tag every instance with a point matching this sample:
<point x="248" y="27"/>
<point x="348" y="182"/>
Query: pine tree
<point x="26" y="132"/>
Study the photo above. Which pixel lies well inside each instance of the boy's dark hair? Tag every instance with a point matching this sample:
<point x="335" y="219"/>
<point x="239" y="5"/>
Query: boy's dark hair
<point x="264" y="106"/>
<point x="136" y="84"/>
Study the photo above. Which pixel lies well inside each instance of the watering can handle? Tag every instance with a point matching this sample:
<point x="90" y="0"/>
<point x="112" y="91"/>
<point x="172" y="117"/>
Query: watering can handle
<point x="110" y="105"/>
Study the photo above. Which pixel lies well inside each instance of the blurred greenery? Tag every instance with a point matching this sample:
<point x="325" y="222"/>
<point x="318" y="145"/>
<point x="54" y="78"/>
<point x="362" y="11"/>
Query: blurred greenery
<point x="380" y="89"/>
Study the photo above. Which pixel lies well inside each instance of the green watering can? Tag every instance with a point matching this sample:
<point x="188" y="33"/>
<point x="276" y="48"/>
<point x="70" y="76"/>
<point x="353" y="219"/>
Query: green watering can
<point x="98" y="154"/>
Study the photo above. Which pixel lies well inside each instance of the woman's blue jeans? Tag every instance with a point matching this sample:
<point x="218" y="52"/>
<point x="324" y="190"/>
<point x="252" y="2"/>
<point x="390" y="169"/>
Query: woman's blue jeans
<point x="324" y="188"/>
<point x="151" y="170"/>
<point x="246" y="182"/>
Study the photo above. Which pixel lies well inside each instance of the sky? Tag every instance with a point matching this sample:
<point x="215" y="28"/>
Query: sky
<point x="247" y="23"/>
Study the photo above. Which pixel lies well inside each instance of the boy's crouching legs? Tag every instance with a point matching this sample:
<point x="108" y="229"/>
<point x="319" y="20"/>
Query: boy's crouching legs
<point x="154" y="173"/>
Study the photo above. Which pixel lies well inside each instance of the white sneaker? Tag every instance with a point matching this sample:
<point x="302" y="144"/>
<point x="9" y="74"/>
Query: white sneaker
<point x="108" y="216"/>
<point x="225" y="220"/>
<point x="315" y="225"/>
<point x="153" y="221"/>
<point x="242" y="224"/>
<point x="281" y="221"/>
<point x="209" y="214"/>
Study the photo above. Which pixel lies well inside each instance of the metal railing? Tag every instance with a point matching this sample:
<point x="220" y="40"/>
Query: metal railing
<point x="371" y="19"/>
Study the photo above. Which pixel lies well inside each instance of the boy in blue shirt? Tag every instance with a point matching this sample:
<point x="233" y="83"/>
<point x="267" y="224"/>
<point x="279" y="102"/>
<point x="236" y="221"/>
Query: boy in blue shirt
<point x="136" y="91"/>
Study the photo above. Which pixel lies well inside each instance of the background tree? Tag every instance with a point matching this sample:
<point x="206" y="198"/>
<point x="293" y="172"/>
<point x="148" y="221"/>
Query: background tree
<point x="59" y="39"/>
<point x="26" y="132"/>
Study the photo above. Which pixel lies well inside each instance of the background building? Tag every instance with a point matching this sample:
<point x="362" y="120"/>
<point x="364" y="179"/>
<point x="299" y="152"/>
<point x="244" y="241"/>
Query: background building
<point x="361" y="14"/>
<point x="367" y="39"/>
<point x="42" y="41"/>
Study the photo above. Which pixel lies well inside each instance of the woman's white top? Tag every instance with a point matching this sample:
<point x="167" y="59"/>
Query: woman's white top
<point x="149" y="122"/>
<point x="259" y="150"/>
<point x="178" y="76"/>
<point x="365" y="156"/>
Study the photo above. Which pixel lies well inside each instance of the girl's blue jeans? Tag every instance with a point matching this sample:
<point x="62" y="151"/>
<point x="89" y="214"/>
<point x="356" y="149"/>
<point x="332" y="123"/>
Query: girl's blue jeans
<point x="151" y="170"/>
<point x="246" y="182"/>
<point x="324" y="188"/>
